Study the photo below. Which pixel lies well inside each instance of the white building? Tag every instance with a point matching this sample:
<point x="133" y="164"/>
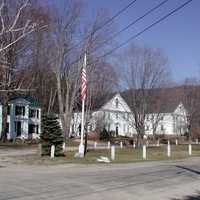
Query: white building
<point x="24" y="118"/>
<point x="116" y="116"/>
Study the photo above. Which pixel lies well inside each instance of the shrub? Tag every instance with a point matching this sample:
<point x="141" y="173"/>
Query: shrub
<point x="51" y="135"/>
<point x="104" y="135"/>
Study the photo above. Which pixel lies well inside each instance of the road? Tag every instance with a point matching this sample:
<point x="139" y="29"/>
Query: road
<point x="149" y="180"/>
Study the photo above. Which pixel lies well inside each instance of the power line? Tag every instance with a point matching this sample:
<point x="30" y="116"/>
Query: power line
<point x="128" y="26"/>
<point x="105" y="23"/>
<point x="146" y="29"/>
<point x="139" y="33"/>
<point x="134" y="22"/>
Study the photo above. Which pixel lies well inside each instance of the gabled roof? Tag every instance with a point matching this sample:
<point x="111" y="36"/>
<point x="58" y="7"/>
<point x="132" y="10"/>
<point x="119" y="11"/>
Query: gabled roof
<point x="33" y="102"/>
<point x="164" y="100"/>
<point x="96" y="102"/>
<point x="160" y="100"/>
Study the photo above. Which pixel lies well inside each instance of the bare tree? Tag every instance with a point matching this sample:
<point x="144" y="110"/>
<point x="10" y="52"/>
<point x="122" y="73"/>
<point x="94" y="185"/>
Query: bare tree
<point x="191" y="96"/>
<point x="146" y="70"/>
<point x="13" y="30"/>
<point x="67" y="75"/>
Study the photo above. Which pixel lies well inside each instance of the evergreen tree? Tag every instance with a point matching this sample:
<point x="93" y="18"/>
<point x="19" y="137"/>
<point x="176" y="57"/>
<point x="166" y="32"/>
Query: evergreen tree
<point x="44" y="137"/>
<point x="104" y="135"/>
<point x="51" y="135"/>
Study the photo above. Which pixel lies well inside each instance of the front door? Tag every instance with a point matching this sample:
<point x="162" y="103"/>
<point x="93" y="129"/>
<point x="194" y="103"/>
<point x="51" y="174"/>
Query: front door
<point x="18" y="126"/>
<point x="117" y="130"/>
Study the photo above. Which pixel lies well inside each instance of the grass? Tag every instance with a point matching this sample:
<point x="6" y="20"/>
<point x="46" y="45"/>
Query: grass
<point x="72" y="143"/>
<point x="125" y="155"/>
<point x="19" y="144"/>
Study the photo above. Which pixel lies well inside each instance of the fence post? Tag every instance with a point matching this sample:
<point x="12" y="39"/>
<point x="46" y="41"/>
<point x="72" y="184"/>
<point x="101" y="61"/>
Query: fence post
<point x="168" y="149"/>
<point x="121" y="145"/>
<point x="52" y="151"/>
<point x="197" y="141"/>
<point x="158" y="143"/>
<point x="190" y="149"/>
<point x="63" y="146"/>
<point x="108" y="144"/>
<point x="95" y="145"/>
<point x="134" y="145"/>
<point x="144" y="152"/>
<point x="176" y="142"/>
<point x="112" y="152"/>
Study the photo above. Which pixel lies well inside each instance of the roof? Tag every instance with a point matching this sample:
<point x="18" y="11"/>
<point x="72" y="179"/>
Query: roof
<point x="164" y="100"/>
<point x="96" y="102"/>
<point x="33" y="102"/>
<point x="159" y="100"/>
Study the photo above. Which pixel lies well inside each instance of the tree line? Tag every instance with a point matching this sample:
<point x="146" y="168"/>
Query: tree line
<point x="42" y="47"/>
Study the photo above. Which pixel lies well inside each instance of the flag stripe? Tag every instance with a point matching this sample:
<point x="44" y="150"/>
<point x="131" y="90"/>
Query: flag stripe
<point x="83" y="84"/>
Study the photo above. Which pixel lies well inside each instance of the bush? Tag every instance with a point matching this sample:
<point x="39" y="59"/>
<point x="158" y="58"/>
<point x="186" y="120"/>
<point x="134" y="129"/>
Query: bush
<point x="51" y="135"/>
<point x="104" y="135"/>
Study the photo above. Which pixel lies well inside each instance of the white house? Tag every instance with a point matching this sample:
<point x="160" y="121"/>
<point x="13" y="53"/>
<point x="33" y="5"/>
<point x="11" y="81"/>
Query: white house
<point x="115" y="115"/>
<point x="24" y="118"/>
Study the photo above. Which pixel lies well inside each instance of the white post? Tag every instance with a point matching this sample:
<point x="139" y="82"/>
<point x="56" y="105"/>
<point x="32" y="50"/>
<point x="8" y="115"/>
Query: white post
<point x="95" y="145"/>
<point x="52" y="151"/>
<point x="144" y="152"/>
<point x="81" y="146"/>
<point x="158" y="143"/>
<point x="121" y="145"/>
<point x="190" y="149"/>
<point x="197" y="141"/>
<point x="168" y="149"/>
<point x="108" y="144"/>
<point x="63" y="146"/>
<point x="134" y="145"/>
<point x="176" y="142"/>
<point x="112" y="152"/>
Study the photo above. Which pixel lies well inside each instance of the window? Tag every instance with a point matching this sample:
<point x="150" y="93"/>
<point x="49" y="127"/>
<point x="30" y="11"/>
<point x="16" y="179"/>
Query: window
<point x="37" y="111"/>
<point x="8" y="110"/>
<point x="116" y="102"/>
<point x="20" y="110"/>
<point x="108" y="127"/>
<point x="108" y="115"/>
<point x="147" y="127"/>
<point x="7" y="127"/>
<point x="124" y="128"/>
<point x="162" y="127"/>
<point x="18" y="128"/>
<point x="32" y="113"/>
<point x="117" y="116"/>
<point x="33" y="129"/>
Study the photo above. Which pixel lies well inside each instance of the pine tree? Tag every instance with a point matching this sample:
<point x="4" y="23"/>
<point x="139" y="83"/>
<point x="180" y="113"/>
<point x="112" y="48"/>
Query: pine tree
<point x="44" y="137"/>
<point x="51" y="135"/>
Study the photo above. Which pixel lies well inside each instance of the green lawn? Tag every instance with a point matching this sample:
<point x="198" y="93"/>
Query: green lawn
<point x="125" y="155"/>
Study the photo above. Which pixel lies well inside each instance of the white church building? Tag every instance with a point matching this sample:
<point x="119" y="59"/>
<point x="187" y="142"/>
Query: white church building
<point x="116" y="116"/>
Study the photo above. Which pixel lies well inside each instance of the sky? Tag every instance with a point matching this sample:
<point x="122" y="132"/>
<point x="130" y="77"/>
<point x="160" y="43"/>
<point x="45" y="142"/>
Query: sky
<point x="178" y="36"/>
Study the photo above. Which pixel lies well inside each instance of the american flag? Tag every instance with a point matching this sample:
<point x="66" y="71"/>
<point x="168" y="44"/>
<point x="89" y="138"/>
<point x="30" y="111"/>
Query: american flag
<point x="83" y="84"/>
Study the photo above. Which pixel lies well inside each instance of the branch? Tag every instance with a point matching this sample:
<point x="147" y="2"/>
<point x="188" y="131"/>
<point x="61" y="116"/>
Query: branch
<point x="2" y="20"/>
<point x="18" y="90"/>
<point x="18" y="15"/>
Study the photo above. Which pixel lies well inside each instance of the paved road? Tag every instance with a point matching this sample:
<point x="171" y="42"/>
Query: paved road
<point x="149" y="180"/>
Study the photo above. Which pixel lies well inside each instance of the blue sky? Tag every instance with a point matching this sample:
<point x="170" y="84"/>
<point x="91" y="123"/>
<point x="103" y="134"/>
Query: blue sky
<point x="178" y="36"/>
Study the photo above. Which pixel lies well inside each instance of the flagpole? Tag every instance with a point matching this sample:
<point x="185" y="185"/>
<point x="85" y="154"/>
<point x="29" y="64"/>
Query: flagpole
<point x="81" y="146"/>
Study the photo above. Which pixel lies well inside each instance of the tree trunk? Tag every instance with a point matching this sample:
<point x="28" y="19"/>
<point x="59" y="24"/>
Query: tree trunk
<point x="4" y="118"/>
<point x="86" y="138"/>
